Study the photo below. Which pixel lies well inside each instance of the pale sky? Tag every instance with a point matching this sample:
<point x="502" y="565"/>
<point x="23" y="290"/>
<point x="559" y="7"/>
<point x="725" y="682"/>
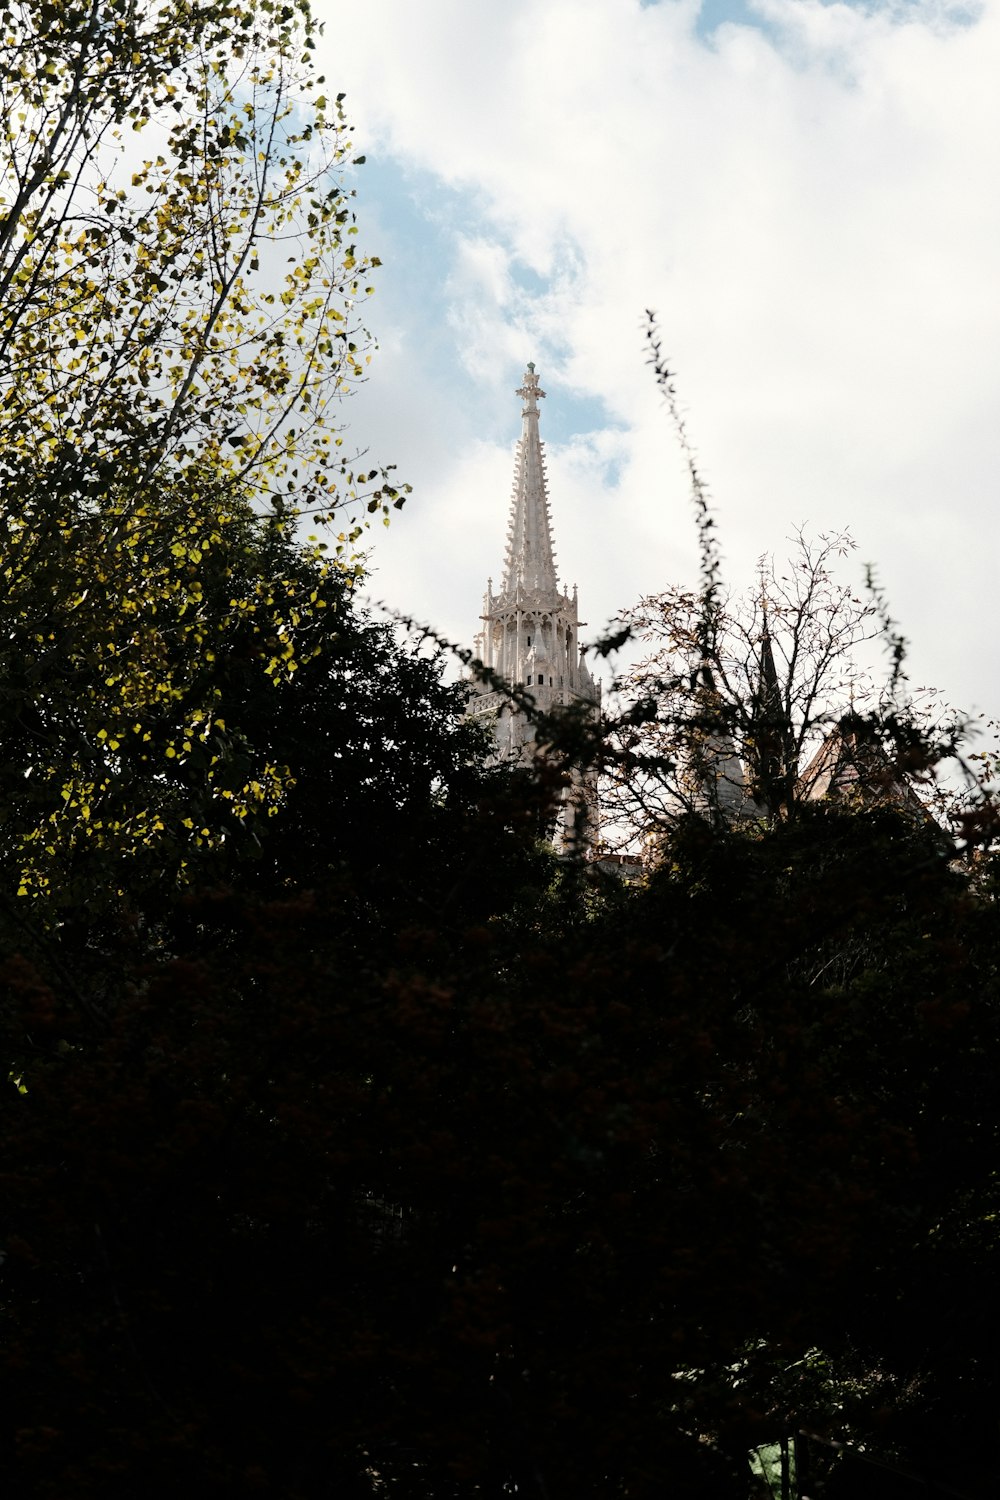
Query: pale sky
<point x="807" y="194"/>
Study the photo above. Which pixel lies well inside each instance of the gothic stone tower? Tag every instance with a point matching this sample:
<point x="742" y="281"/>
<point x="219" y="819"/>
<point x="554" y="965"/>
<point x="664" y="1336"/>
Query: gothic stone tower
<point x="530" y="634"/>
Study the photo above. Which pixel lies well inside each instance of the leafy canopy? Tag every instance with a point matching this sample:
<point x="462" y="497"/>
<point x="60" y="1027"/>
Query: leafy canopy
<point x="178" y="291"/>
<point x="178" y="274"/>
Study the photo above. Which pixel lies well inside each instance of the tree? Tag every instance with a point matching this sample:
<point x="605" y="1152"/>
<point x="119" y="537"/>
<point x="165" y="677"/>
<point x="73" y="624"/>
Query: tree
<point x="178" y="284"/>
<point x="751" y="708"/>
<point x="161" y="157"/>
<point x="284" y="995"/>
<point x="732" y="708"/>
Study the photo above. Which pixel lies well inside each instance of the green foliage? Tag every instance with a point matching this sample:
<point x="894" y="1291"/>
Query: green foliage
<point x="177" y="266"/>
<point x="178" y="280"/>
<point x="116" y="651"/>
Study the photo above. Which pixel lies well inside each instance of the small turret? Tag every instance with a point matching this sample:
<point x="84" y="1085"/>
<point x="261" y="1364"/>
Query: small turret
<point x="771" y="743"/>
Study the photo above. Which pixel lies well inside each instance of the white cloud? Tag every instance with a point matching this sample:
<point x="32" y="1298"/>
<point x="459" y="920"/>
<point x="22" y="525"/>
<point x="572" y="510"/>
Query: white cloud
<point x="811" y="207"/>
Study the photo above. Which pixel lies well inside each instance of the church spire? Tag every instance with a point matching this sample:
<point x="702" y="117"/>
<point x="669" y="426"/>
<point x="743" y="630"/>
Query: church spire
<point x="530" y="561"/>
<point x="530" y="636"/>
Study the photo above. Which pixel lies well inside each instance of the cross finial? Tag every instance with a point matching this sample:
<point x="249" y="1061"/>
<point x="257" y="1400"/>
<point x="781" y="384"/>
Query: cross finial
<point x="530" y="391"/>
